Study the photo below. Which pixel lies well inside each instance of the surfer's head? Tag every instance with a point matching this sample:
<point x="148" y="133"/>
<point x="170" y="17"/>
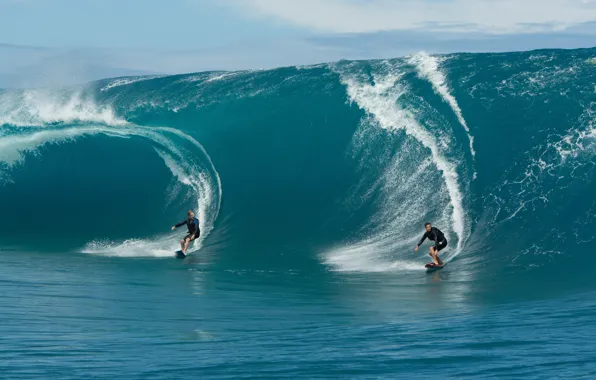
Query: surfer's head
<point x="191" y="214"/>
<point x="427" y="226"/>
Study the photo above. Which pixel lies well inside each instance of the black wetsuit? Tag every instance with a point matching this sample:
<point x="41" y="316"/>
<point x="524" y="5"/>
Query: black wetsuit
<point x="437" y="236"/>
<point x="193" y="227"/>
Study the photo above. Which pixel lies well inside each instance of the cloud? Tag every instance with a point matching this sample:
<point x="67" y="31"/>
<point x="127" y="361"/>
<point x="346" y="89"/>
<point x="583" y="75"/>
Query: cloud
<point x="365" y="16"/>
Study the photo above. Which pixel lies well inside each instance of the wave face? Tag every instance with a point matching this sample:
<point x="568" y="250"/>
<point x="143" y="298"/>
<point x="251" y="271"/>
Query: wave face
<point x="339" y="164"/>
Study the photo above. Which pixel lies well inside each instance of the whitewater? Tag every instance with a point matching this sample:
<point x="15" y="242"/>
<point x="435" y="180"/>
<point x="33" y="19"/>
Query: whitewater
<point x="312" y="186"/>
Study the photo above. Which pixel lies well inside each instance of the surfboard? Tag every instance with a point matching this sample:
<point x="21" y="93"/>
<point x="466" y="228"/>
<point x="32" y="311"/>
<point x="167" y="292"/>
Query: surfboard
<point x="180" y="255"/>
<point x="431" y="267"/>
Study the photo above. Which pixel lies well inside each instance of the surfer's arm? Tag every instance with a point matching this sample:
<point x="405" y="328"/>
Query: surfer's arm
<point x="421" y="240"/>
<point x="180" y="224"/>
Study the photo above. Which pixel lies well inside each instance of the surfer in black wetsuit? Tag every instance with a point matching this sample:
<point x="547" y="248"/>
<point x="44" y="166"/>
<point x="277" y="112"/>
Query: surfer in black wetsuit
<point x="193" y="230"/>
<point x="437" y="236"/>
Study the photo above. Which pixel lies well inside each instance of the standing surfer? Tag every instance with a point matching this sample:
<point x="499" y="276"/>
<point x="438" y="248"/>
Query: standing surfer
<point x="193" y="230"/>
<point x="437" y="236"/>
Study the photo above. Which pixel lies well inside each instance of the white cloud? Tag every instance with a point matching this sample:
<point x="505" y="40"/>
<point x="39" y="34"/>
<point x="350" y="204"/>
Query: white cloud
<point x="491" y="16"/>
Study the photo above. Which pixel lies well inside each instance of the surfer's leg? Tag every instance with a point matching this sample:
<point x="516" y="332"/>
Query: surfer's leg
<point x="439" y="261"/>
<point x="186" y="244"/>
<point x="440" y="247"/>
<point x="433" y="254"/>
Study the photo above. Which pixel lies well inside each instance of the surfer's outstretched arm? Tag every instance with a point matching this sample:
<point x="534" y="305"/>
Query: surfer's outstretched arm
<point x="421" y="241"/>
<point x="179" y="225"/>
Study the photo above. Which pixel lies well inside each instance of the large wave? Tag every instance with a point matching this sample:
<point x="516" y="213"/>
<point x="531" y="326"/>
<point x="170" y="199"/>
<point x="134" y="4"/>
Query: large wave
<point x="343" y="163"/>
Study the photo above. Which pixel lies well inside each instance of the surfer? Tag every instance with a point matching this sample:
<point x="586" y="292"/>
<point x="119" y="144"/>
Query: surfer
<point x="437" y="236"/>
<point x="193" y="230"/>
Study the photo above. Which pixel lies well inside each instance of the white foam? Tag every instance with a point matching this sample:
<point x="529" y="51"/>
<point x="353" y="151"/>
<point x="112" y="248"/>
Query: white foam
<point x="406" y="194"/>
<point x="221" y="76"/>
<point x="212" y="77"/>
<point x="380" y="101"/>
<point x="564" y="156"/>
<point x="194" y="78"/>
<point x="126" y="81"/>
<point x="41" y="107"/>
<point x="210" y="188"/>
<point x="202" y="188"/>
<point x="131" y="248"/>
<point x="575" y="143"/>
<point x="428" y="68"/>
<point x="361" y="258"/>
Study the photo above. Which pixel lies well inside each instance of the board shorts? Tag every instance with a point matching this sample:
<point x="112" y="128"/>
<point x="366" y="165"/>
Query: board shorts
<point x="441" y="245"/>
<point x="193" y="237"/>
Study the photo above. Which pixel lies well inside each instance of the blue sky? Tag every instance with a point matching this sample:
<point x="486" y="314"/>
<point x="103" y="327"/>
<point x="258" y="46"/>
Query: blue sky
<point x="134" y="24"/>
<point x="193" y="35"/>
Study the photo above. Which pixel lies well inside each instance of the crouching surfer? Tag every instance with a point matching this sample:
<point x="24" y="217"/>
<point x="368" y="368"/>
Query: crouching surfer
<point x="193" y="230"/>
<point x="437" y="236"/>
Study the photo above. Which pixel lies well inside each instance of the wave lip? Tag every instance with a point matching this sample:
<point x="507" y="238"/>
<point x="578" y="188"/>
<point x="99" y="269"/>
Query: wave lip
<point x="39" y="108"/>
<point x="126" y="81"/>
<point x="428" y="68"/>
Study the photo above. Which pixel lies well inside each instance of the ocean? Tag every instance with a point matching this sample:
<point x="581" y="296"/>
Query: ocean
<point x="312" y="186"/>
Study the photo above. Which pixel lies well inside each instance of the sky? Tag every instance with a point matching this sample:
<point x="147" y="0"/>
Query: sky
<point x="103" y="37"/>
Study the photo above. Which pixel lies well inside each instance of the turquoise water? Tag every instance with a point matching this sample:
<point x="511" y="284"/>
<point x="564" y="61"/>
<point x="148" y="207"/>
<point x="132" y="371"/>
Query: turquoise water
<point x="312" y="185"/>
